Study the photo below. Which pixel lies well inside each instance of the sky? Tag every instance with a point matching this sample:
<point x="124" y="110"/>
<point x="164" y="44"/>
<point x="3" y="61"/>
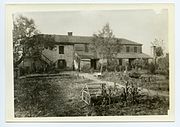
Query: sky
<point x="141" y="26"/>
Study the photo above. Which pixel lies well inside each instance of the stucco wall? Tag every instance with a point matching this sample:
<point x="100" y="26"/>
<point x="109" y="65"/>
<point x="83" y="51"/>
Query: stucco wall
<point x="131" y="48"/>
<point x="54" y="55"/>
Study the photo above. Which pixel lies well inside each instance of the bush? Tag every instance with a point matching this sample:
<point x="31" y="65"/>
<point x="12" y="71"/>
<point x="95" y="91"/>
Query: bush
<point x="139" y="63"/>
<point x="163" y="65"/>
<point x="86" y="68"/>
<point x="152" y="68"/>
<point x="134" y="75"/>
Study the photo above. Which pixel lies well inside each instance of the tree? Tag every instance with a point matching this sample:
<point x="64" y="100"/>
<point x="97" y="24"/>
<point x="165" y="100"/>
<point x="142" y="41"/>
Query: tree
<point x="105" y="45"/>
<point x="27" y="40"/>
<point x="163" y="65"/>
<point x="23" y="28"/>
<point x="158" y="49"/>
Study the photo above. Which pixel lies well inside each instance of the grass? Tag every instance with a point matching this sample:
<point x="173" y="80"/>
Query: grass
<point x="61" y="96"/>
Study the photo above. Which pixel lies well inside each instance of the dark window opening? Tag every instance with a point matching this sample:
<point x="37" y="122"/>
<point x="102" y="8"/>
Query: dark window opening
<point x="127" y="49"/>
<point x="93" y="64"/>
<point x="61" y="49"/>
<point x="120" y="61"/>
<point x="61" y="64"/>
<point x="135" y="49"/>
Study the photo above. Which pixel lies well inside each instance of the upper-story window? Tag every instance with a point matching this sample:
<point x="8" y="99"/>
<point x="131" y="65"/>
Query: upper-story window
<point x="127" y="49"/>
<point x="86" y="48"/>
<point x="135" y="49"/>
<point x="61" y="49"/>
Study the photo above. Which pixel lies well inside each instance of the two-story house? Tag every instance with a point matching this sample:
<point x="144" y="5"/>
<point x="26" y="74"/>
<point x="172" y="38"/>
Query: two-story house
<point x="70" y="52"/>
<point x="74" y="52"/>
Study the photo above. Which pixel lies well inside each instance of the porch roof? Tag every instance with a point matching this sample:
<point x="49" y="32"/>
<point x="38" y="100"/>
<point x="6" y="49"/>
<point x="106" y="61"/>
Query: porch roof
<point x="86" y="56"/>
<point x="133" y="55"/>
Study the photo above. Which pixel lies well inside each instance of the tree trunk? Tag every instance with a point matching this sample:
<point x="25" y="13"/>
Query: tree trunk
<point x="101" y="68"/>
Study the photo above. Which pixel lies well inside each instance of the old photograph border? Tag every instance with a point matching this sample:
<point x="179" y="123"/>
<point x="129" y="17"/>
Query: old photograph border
<point x="11" y="8"/>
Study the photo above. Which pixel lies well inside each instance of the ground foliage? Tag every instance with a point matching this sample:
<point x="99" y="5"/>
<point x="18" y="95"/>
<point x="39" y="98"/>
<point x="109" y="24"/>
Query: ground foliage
<point x="150" y="81"/>
<point x="61" y="96"/>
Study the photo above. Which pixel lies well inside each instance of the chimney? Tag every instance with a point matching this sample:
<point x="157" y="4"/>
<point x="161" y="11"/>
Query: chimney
<point x="153" y="51"/>
<point x="70" y="33"/>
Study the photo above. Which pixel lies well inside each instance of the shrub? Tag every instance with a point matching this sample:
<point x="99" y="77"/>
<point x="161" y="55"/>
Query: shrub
<point x="163" y="65"/>
<point x="152" y="68"/>
<point x="86" y="68"/>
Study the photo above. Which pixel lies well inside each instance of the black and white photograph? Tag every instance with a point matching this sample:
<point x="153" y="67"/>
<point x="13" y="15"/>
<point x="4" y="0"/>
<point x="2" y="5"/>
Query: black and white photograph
<point x="92" y="63"/>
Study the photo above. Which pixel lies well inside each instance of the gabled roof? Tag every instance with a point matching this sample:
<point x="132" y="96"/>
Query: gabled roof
<point x="66" y="39"/>
<point x="127" y="42"/>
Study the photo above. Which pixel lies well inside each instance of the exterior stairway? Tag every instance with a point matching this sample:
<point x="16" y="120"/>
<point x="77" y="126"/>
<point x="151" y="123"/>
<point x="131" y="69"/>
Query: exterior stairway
<point x="47" y="60"/>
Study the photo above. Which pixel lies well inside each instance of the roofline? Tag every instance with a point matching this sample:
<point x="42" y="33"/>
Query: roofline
<point x="65" y="35"/>
<point x="136" y="43"/>
<point x="133" y="44"/>
<point x="70" y="43"/>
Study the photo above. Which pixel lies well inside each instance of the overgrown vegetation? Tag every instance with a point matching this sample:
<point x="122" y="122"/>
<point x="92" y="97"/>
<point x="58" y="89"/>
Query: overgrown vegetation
<point x="148" y="81"/>
<point x="53" y="96"/>
<point x="49" y="96"/>
<point x="147" y="105"/>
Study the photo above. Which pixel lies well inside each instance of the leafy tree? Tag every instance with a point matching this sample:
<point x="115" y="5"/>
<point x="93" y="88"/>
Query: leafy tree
<point x="139" y="63"/>
<point x="23" y="28"/>
<point x="105" y="45"/>
<point x="158" y="49"/>
<point x="163" y="65"/>
<point x="27" y="40"/>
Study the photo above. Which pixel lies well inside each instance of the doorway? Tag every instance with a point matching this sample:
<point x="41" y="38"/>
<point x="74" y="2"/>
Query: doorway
<point x="61" y="64"/>
<point x="94" y="64"/>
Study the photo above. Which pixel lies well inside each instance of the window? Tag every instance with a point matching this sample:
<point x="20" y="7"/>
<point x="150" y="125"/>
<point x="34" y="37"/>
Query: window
<point x="61" y="49"/>
<point x="86" y="48"/>
<point x="135" y="49"/>
<point x="127" y="49"/>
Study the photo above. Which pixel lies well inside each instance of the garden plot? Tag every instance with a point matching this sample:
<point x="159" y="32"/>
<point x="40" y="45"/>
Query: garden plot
<point x="58" y="96"/>
<point x="151" y="82"/>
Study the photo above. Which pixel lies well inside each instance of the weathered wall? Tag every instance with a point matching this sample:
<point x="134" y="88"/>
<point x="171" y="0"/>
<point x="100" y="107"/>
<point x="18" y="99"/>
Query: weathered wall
<point x="54" y="55"/>
<point x="82" y="48"/>
<point x="131" y="48"/>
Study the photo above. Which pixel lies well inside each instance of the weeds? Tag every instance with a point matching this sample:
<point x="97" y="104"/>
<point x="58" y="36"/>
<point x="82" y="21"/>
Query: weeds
<point x="61" y="96"/>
